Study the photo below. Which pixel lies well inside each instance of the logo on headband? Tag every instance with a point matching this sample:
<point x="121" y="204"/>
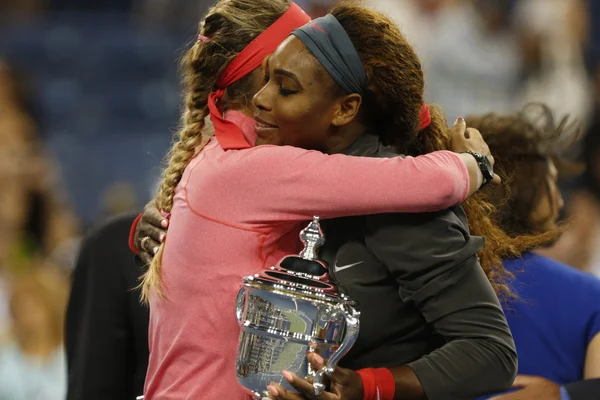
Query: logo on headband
<point x="312" y="24"/>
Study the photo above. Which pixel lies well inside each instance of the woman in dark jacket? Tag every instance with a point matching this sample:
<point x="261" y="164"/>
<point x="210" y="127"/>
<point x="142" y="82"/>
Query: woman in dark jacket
<point x="106" y="324"/>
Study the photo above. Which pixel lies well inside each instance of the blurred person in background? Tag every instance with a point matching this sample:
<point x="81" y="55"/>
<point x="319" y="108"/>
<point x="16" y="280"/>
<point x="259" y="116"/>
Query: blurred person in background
<point x="36" y="225"/>
<point x="579" y="245"/>
<point x="417" y="20"/>
<point x="593" y="45"/>
<point x="22" y="10"/>
<point x="552" y="34"/>
<point x="555" y="319"/>
<point x="106" y="325"/>
<point x="32" y="363"/>
<point x="474" y="63"/>
<point x="35" y="219"/>
<point x="501" y="54"/>
<point x="583" y="244"/>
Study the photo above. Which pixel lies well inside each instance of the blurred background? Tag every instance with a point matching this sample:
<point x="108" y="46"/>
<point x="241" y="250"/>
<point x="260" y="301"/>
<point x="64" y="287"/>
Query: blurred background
<point x="89" y="99"/>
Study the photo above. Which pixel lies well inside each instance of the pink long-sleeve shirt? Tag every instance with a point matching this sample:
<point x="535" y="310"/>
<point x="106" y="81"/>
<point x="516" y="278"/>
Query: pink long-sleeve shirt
<point x="240" y="209"/>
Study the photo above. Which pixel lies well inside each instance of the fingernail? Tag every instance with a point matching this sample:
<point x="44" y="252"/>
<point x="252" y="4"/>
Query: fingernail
<point x="164" y="223"/>
<point x="319" y="359"/>
<point x="273" y="390"/>
<point x="459" y="120"/>
<point x="155" y="250"/>
<point x="288" y="377"/>
<point x="162" y="237"/>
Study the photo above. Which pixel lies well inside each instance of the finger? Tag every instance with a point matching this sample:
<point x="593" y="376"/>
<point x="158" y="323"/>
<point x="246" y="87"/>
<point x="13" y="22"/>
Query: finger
<point x="315" y="360"/>
<point x="496" y="180"/>
<point x="153" y="216"/>
<point x="339" y="375"/>
<point x="280" y="393"/>
<point x="473" y="133"/>
<point x="305" y="388"/>
<point x="460" y="126"/>
<point x="154" y="233"/>
<point x="525" y="380"/>
<point x="150" y="246"/>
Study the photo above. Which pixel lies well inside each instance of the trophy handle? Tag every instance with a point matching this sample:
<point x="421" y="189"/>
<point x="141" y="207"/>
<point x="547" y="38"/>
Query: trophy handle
<point x="351" y="315"/>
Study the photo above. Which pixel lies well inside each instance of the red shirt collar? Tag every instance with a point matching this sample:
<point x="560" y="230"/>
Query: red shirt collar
<point x="237" y="139"/>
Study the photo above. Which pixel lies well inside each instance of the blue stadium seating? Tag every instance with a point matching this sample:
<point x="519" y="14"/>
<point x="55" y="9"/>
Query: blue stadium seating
<point x="109" y="98"/>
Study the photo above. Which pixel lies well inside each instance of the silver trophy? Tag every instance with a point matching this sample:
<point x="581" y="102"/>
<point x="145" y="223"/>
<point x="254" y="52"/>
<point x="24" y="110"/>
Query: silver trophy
<point x="287" y="311"/>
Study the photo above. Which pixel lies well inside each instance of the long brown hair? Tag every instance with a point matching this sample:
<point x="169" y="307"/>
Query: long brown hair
<point x="229" y="26"/>
<point x="523" y="143"/>
<point x="392" y="108"/>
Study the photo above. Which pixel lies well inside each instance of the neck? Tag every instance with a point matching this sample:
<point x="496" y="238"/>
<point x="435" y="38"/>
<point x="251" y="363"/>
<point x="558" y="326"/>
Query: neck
<point x="344" y="137"/>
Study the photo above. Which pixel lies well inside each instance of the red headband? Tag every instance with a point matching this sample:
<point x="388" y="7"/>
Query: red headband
<point x="425" y="117"/>
<point x="229" y="135"/>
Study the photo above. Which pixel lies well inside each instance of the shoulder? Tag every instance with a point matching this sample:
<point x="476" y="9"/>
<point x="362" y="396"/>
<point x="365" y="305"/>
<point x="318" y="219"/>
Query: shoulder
<point x="553" y="275"/>
<point x="117" y="225"/>
<point x="424" y="235"/>
<point x="107" y="241"/>
<point x="270" y="151"/>
<point x="558" y="270"/>
<point x="265" y="159"/>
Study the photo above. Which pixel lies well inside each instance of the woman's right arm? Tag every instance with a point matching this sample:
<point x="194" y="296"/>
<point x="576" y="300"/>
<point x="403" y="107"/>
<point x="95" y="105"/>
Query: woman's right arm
<point x="283" y="183"/>
<point x="295" y="184"/>
<point x="312" y="172"/>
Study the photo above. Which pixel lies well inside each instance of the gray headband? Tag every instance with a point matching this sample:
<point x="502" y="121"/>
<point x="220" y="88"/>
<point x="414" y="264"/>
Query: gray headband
<point x="328" y="41"/>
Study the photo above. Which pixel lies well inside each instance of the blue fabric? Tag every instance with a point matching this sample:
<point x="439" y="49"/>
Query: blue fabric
<point x="554" y="319"/>
<point x="564" y="395"/>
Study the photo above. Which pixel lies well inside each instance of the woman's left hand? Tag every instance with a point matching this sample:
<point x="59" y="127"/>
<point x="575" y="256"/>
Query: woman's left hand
<point x="345" y="384"/>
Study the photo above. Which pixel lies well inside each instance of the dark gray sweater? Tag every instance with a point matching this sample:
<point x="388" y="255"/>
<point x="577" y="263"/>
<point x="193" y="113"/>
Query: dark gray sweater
<point x="424" y="298"/>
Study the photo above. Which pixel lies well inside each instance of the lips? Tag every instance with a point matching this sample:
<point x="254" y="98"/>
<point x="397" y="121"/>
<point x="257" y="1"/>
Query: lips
<point x="262" y="124"/>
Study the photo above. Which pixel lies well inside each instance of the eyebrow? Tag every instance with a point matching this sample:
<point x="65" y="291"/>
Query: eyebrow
<point x="289" y="75"/>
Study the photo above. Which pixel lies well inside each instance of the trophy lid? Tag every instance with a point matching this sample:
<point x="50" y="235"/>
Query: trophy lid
<point x="302" y="273"/>
<point x="313" y="238"/>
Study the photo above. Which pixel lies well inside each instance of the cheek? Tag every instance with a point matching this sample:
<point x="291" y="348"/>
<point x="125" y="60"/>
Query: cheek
<point x="294" y="121"/>
<point x="544" y="212"/>
<point x="304" y="124"/>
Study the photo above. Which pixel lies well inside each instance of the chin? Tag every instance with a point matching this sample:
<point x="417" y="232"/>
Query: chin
<point x="275" y="141"/>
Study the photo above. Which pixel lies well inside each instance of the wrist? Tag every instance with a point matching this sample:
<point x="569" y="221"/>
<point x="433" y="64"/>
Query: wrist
<point x="475" y="174"/>
<point x="134" y="225"/>
<point x="484" y="165"/>
<point x="377" y="383"/>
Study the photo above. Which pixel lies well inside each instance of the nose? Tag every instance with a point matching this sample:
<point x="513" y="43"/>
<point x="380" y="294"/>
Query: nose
<point x="561" y="202"/>
<point x="261" y="99"/>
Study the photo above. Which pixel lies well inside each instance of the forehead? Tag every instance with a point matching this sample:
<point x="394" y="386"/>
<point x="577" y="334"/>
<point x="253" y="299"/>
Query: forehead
<point x="293" y="56"/>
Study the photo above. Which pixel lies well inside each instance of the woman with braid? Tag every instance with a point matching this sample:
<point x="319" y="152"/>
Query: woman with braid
<point x="235" y="208"/>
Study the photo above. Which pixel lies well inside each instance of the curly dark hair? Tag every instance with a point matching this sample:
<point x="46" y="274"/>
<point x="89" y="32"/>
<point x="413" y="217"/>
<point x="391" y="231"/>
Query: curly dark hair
<point x="523" y="145"/>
